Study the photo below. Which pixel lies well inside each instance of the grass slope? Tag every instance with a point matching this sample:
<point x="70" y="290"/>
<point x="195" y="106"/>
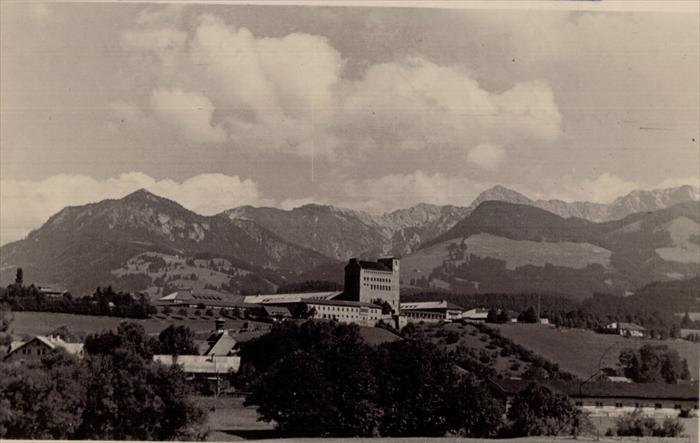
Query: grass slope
<point x="577" y="350"/>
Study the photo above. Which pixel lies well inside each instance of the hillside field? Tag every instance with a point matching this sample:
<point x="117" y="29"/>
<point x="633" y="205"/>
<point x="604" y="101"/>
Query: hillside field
<point x="29" y="324"/>
<point x="577" y="350"/>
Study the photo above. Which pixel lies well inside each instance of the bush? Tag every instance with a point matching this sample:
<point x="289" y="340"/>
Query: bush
<point x="452" y="337"/>
<point x="636" y="424"/>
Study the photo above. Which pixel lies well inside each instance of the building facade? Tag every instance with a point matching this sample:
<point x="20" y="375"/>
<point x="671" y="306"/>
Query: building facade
<point x="346" y="311"/>
<point x="368" y="282"/>
<point x="431" y="311"/>
<point x="609" y="399"/>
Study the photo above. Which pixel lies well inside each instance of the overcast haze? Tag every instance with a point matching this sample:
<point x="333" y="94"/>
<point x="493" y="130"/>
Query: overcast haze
<point x="369" y="108"/>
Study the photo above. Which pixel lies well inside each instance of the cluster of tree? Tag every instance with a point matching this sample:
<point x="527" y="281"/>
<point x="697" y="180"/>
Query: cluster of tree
<point x="104" y="301"/>
<point x="497" y="316"/>
<point x="321" y="379"/>
<point x="654" y="364"/>
<point x="116" y="392"/>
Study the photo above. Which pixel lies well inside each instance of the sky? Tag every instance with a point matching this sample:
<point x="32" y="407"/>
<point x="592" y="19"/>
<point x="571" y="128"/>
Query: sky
<point x="372" y="108"/>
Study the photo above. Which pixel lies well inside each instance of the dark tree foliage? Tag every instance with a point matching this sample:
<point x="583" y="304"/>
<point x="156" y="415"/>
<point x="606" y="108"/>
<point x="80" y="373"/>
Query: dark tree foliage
<point x="176" y="340"/>
<point x="129" y="337"/>
<point x="475" y="412"/>
<point x="42" y="399"/>
<point x="416" y="382"/>
<point x="321" y="379"/>
<point x="528" y="316"/>
<point x="654" y="364"/>
<point x="539" y="411"/>
<point x="131" y="398"/>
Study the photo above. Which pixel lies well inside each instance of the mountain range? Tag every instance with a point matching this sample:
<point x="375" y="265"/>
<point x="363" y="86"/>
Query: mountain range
<point x="143" y="241"/>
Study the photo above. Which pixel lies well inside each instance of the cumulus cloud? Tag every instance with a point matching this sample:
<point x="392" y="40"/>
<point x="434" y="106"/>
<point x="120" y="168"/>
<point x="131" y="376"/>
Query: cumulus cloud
<point x="290" y="95"/>
<point x="26" y="204"/>
<point x="189" y="113"/>
<point x="487" y="156"/>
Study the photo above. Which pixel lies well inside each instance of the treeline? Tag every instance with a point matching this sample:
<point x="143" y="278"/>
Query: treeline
<point x="654" y="307"/>
<point x="320" y="379"/>
<point x="104" y="301"/>
<point x="116" y="392"/>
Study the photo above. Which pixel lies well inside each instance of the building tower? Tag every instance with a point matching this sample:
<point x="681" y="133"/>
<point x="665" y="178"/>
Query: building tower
<point x="368" y="281"/>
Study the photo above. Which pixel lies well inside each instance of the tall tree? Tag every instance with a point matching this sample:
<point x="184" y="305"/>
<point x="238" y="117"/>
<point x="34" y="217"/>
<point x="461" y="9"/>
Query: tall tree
<point x="177" y="340"/>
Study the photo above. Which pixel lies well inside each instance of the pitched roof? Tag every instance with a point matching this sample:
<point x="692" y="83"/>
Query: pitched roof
<point x="220" y="344"/>
<point x="680" y="391"/>
<point x="421" y="305"/>
<point x="52" y="342"/>
<point x="201" y="364"/>
<point x="219" y="300"/>
<point x="291" y="297"/>
<point x="356" y="304"/>
<point x="277" y="310"/>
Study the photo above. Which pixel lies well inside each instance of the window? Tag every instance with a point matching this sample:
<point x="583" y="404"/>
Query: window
<point x="579" y="403"/>
<point x="599" y="404"/>
<point x="676" y="406"/>
<point x="658" y="405"/>
<point x="618" y="405"/>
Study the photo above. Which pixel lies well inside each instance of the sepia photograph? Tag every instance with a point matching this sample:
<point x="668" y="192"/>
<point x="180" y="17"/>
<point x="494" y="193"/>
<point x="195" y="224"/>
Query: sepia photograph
<point x="350" y="221"/>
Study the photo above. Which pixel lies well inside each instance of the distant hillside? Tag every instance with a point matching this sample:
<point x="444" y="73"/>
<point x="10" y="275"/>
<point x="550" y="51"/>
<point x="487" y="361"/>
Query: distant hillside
<point x="512" y="248"/>
<point x="80" y="247"/>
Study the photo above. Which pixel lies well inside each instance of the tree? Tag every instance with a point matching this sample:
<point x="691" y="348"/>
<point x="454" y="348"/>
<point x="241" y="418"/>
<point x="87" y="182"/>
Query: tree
<point x="130" y="337"/>
<point x="19" y="277"/>
<point x="503" y="316"/>
<point x="412" y="373"/>
<point x="313" y="380"/>
<point x="475" y="412"/>
<point x="177" y="340"/>
<point x="539" y="411"/>
<point x="528" y="316"/>
<point x="129" y="397"/>
<point x="492" y="316"/>
<point x="42" y="399"/>
<point x="653" y="364"/>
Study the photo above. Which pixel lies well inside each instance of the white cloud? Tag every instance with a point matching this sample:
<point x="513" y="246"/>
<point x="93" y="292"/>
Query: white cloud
<point x="189" y="113"/>
<point x="289" y="95"/>
<point x="27" y="204"/>
<point x="487" y="156"/>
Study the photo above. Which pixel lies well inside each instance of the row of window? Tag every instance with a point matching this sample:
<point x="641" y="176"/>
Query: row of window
<point x="349" y="317"/>
<point x="28" y="351"/>
<point x="378" y="279"/>
<point x="599" y="404"/>
<point x="378" y="287"/>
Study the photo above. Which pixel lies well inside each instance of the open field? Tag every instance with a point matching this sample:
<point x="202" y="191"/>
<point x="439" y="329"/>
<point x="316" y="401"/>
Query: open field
<point x="29" y="324"/>
<point x="36" y="323"/>
<point x="577" y="350"/>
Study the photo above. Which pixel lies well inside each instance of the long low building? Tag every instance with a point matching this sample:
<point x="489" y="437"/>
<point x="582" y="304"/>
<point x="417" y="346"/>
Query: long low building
<point x="613" y="399"/>
<point x="346" y="311"/>
<point x="431" y="311"/>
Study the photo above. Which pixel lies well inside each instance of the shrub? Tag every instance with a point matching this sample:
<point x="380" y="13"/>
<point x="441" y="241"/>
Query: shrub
<point x="452" y="337"/>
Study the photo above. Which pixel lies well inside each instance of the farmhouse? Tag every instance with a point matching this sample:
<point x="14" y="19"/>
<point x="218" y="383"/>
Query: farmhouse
<point x="431" y="311"/>
<point x="41" y="345"/>
<point x="613" y="399"/>
<point x="625" y="329"/>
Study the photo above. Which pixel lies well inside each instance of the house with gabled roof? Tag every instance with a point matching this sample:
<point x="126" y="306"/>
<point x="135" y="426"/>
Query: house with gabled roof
<point x="41" y="345"/>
